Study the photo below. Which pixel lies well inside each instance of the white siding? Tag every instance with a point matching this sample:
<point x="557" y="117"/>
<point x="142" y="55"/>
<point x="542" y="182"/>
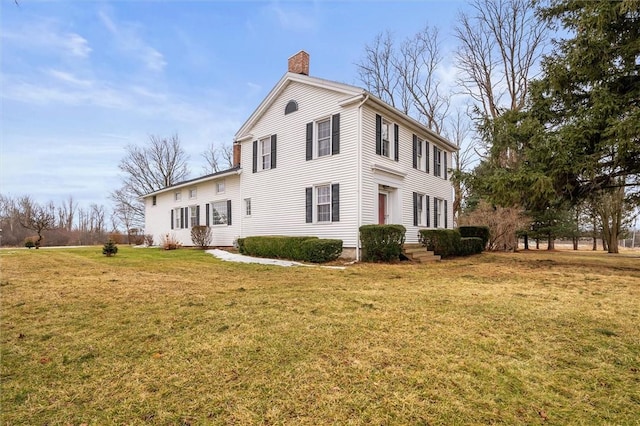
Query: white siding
<point x="278" y="195"/>
<point x="405" y="182"/>
<point x="158" y="217"/>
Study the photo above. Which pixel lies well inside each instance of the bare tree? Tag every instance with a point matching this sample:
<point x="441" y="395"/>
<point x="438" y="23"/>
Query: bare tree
<point x="66" y="214"/>
<point x="501" y="42"/>
<point x="405" y="77"/>
<point x="218" y="158"/>
<point x="160" y="163"/>
<point x="458" y="131"/>
<point x="36" y="217"/>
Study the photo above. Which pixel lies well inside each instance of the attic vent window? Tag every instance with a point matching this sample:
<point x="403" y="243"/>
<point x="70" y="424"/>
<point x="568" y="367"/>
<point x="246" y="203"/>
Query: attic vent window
<point x="292" y="106"/>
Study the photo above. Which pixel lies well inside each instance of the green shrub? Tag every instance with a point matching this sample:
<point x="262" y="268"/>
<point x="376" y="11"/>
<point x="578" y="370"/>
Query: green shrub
<point x="241" y="249"/>
<point x="29" y="243"/>
<point x="481" y="232"/>
<point x="276" y="246"/>
<point x="321" y="250"/>
<point x="110" y="248"/>
<point x="443" y="242"/>
<point x="470" y="245"/>
<point x="382" y="243"/>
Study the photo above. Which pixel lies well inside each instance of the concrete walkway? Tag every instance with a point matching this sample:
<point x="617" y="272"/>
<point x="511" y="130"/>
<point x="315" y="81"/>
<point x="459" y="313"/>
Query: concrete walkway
<point x="235" y="257"/>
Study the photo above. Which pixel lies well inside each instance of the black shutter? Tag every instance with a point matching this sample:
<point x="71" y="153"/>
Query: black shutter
<point x="428" y="200"/>
<point x="396" y="142"/>
<point x="435" y="161"/>
<point x="273" y="151"/>
<point x="444" y="154"/>
<point x="309" y="204"/>
<point x="415" y="208"/>
<point x="171" y="219"/>
<point x="309" y="141"/>
<point x="435" y="212"/>
<point x="445" y="214"/>
<point x="378" y="134"/>
<point x="255" y="156"/>
<point x="197" y="215"/>
<point x="208" y="215"/>
<point x="335" y="202"/>
<point x="426" y="155"/>
<point x="415" y="152"/>
<point x="185" y="222"/>
<point x="228" y="212"/>
<point x="335" y="134"/>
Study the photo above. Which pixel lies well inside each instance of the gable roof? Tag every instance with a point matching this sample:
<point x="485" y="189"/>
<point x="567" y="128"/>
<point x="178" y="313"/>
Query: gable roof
<point x="287" y="79"/>
<point x="352" y="94"/>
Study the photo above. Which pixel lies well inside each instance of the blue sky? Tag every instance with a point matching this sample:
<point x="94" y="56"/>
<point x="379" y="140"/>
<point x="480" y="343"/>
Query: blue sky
<point x="79" y="81"/>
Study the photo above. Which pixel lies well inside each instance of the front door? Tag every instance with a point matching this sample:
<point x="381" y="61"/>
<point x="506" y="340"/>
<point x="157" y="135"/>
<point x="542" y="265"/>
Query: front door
<point x="382" y="208"/>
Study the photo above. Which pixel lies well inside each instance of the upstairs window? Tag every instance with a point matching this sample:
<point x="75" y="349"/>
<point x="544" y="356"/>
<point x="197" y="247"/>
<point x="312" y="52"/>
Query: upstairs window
<point x="387" y="138"/>
<point x="420" y="154"/>
<point x="193" y="194"/>
<point x="264" y="154"/>
<point x="220" y="187"/>
<point x="323" y="137"/>
<point x="177" y="196"/>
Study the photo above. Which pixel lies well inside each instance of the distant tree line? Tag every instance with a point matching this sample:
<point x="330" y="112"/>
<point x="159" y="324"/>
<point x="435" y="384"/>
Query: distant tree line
<point x="49" y="224"/>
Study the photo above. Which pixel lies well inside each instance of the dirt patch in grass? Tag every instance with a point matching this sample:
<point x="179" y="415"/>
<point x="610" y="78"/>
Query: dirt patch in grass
<point x="170" y="337"/>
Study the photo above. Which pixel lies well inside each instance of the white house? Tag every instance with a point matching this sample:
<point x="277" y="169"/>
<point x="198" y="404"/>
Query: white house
<point x="318" y="158"/>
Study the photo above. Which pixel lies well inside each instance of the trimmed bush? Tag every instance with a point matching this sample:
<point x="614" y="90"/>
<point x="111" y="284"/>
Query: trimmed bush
<point x="29" y="243"/>
<point x="321" y="250"/>
<point x="481" y="232"/>
<point x="443" y="242"/>
<point x="470" y="245"/>
<point x="241" y="249"/>
<point x="382" y="243"/>
<point x="276" y="246"/>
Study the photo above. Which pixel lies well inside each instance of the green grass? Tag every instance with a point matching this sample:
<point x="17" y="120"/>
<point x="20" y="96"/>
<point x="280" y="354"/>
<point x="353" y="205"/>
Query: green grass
<point x="179" y="337"/>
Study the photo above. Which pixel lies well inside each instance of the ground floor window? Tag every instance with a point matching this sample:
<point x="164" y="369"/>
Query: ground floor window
<point x="219" y="213"/>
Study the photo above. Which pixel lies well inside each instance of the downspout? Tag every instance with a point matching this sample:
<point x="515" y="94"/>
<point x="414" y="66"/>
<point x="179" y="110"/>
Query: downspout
<point x="359" y="168"/>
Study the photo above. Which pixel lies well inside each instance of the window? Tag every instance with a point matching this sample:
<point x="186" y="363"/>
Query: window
<point x="219" y="213"/>
<point x="323" y="203"/>
<point x="419" y="209"/>
<point x="178" y="218"/>
<point x="386" y="133"/>
<point x="265" y="153"/>
<point x="437" y="161"/>
<point x="420" y="154"/>
<point x="194" y="215"/>
<point x="385" y="138"/>
<point x="220" y="187"/>
<point x="324" y="137"/>
<point x="438" y="211"/>
<point x="177" y="196"/>
<point x="247" y="206"/>
<point x="154" y="200"/>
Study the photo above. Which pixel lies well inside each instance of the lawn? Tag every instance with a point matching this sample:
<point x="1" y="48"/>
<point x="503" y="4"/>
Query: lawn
<point x="179" y="337"/>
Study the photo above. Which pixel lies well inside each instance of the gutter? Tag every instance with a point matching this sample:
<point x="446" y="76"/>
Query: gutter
<point x="364" y="97"/>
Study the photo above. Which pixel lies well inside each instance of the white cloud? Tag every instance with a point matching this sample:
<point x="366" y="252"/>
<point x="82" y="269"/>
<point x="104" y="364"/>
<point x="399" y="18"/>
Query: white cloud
<point x="129" y="41"/>
<point x="46" y="35"/>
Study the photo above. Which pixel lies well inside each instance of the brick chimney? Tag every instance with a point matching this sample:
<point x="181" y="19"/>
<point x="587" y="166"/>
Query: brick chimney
<point x="299" y="63"/>
<point x="236" y="154"/>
